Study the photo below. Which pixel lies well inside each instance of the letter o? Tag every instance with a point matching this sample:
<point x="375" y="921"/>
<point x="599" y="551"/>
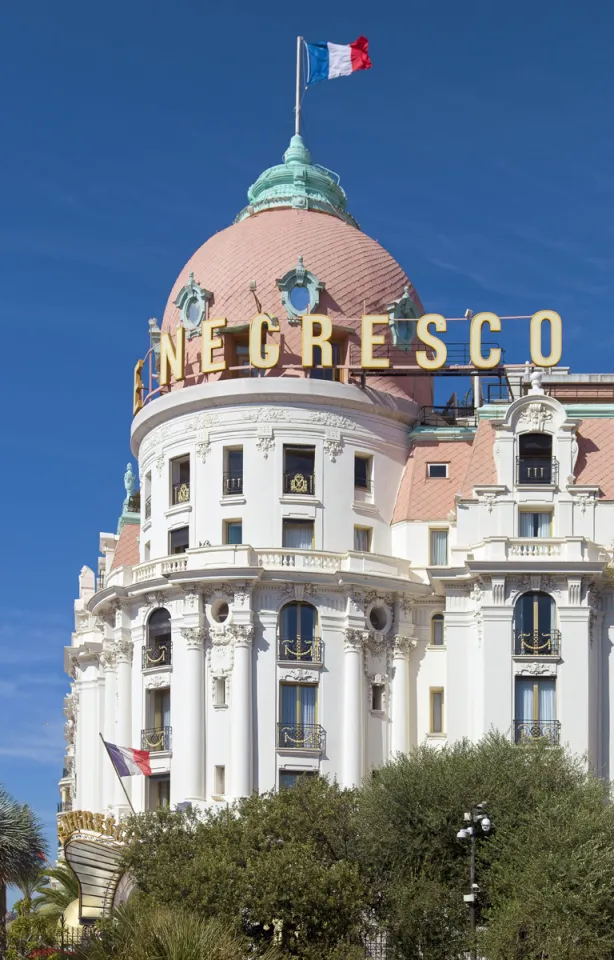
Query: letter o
<point x="556" y="338"/>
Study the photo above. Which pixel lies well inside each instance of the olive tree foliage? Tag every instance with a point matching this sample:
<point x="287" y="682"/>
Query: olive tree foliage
<point x="22" y="848"/>
<point x="546" y="873"/>
<point x="278" y="868"/>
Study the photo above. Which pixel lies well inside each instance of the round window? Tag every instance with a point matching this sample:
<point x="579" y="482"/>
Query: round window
<point x="220" y="611"/>
<point x="193" y="312"/>
<point x="299" y="298"/>
<point x="378" y="618"/>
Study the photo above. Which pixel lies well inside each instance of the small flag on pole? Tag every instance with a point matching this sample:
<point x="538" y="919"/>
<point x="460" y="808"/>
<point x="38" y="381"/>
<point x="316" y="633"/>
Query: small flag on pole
<point x="326" y="61"/>
<point x="127" y="761"/>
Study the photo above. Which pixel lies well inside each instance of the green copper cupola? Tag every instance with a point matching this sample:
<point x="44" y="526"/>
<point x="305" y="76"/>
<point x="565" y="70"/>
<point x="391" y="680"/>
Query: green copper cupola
<point x="297" y="183"/>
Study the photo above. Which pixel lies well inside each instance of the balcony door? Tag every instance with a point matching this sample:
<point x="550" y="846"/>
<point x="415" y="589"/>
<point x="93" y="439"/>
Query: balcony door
<point x="535" y="463"/>
<point x="535" y="624"/>
<point x="298" y="709"/>
<point x="535" y="708"/>
<point x="297" y="639"/>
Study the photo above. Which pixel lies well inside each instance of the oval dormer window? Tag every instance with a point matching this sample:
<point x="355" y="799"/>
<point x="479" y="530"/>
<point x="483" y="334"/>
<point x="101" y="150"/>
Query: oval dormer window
<point x="300" y="299"/>
<point x="193" y="312"/>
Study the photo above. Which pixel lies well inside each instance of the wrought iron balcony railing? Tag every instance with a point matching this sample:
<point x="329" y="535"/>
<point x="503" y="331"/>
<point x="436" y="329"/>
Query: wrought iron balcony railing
<point x="232" y="485"/>
<point x="301" y="736"/>
<point x="538" y="644"/>
<point x="134" y="503"/>
<point x="299" y="650"/>
<point x="64" y="806"/>
<point x="536" y="470"/>
<point x="147" y="508"/>
<point x="527" y="731"/>
<point x="158" y="654"/>
<point x="181" y="493"/>
<point x="299" y="483"/>
<point x="156" y="739"/>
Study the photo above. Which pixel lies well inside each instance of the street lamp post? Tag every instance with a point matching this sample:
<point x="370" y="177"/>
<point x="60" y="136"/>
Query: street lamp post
<point x="476" y="818"/>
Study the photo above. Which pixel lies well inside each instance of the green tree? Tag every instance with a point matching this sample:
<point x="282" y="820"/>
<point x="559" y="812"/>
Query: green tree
<point x="275" y="867"/>
<point x="546" y="874"/>
<point x="22" y="847"/>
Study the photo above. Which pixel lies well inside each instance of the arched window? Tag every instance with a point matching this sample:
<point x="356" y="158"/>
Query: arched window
<point x="535" y="632"/>
<point x="535" y="461"/>
<point x="437" y="630"/>
<point x="298" y="640"/>
<point x="158" y="647"/>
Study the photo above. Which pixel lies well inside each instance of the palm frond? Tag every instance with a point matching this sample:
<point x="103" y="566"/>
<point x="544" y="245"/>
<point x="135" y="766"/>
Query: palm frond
<point x="22" y="840"/>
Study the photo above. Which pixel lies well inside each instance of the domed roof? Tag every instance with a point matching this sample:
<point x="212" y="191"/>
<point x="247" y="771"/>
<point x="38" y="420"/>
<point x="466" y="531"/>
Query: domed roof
<point x="359" y="276"/>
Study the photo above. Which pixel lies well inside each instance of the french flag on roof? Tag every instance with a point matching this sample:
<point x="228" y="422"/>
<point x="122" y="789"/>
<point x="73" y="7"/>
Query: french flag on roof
<point x="326" y="61"/>
<point x="127" y="761"/>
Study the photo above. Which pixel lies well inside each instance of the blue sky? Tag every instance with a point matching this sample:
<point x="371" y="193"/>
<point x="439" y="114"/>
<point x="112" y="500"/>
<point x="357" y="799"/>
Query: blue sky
<point x="478" y="150"/>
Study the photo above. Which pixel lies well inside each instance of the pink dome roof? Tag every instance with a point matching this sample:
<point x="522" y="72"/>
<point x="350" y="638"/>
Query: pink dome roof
<point x="359" y="275"/>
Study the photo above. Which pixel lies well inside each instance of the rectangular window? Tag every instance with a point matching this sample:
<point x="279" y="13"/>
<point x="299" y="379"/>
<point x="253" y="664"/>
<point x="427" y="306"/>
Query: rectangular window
<point x="233" y="471"/>
<point x="289" y="778"/>
<point x="534" y="524"/>
<point x="299" y="470"/>
<point x="159" y="792"/>
<point x="179" y="540"/>
<point x="362" y="539"/>
<point x="297" y="534"/>
<point x="535" y="709"/>
<point x="180" y="480"/>
<point x="148" y="496"/>
<point x="220" y="692"/>
<point x="362" y="472"/>
<point x="439" y="548"/>
<point x="436" y="709"/>
<point x="437" y="630"/>
<point x="233" y="531"/>
<point x="147" y="551"/>
<point x="377" y="697"/>
<point x="434" y="470"/>
<point x="298" y="727"/>
<point x="326" y="373"/>
<point x="220" y="781"/>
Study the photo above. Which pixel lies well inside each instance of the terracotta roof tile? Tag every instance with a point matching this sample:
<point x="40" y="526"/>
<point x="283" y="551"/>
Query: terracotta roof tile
<point x="595" y="463"/>
<point x="424" y="498"/>
<point x="127" y="550"/>
<point x="481" y="466"/>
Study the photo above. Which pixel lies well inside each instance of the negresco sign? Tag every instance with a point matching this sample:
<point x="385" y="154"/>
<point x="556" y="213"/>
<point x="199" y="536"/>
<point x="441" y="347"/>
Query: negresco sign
<point x="317" y="331"/>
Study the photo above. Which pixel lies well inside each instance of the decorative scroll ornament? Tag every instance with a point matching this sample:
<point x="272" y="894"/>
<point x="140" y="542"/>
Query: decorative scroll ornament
<point x="299" y="484"/>
<point x="267" y="415"/>
<point x="537" y="669"/>
<point x="191" y="598"/>
<point x="192" y="301"/>
<point x="301" y="676"/>
<point x="155" y="680"/>
<point x="332" y="420"/>
<point x="203" y="447"/>
<point x="333" y="447"/>
<point x="265" y="444"/>
<point x="536" y="416"/>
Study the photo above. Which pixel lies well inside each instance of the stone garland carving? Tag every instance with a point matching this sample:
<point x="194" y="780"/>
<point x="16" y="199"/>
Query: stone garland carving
<point x="301" y="676"/>
<point x="332" y="420"/>
<point x="265" y="444"/>
<point x="298" y="590"/>
<point x="333" y="447"/>
<point x="203" y="447"/>
<point x="536" y="415"/>
<point x="537" y="670"/>
<point x="155" y="680"/>
<point x="267" y="415"/>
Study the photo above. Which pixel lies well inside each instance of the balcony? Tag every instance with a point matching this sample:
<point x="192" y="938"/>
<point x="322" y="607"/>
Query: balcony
<point x="538" y="644"/>
<point x="64" y="806"/>
<point x="157" y="655"/>
<point x="147" y="508"/>
<point x="553" y="550"/>
<point x="301" y="736"/>
<point x="528" y="731"/>
<point x="536" y="470"/>
<point x="299" y="483"/>
<point x="297" y="650"/>
<point x="181" y="493"/>
<point x="156" y="739"/>
<point x="232" y="485"/>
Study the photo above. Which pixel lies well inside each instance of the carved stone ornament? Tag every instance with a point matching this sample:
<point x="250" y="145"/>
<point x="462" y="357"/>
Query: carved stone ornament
<point x="301" y="676"/>
<point x="403" y="645"/>
<point x="477" y="594"/>
<point x="378" y="642"/>
<point x="152" y="600"/>
<point x="194" y="637"/>
<point x="268" y="415"/>
<point x="332" y="420"/>
<point x="537" y="669"/>
<point x="242" y="634"/>
<point x="108" y="658"/>
<point x="354" y="639"/>
<point x="406" y="604"/>
<point x="124" y="651"/>
<point x="536" y="416"/>
<point x="154" y="681"/>
<point x="550" y="584"/>
<point x="220" y="637"/>
<point x="333" y="447"/>
<point x="265" y="444"/>
<point x="519" y="585"/>
<point x="190" y="597"/>
<point x="160" y="464"/>
<point x="203" y="447"/>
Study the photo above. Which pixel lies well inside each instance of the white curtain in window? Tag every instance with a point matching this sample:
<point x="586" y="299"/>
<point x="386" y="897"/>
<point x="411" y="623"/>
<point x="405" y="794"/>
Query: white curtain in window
<point x="166" y="709"/>
<point x="298" y="536"/>
<point x="526" y="525"/>
<point x="288" y="704"/>
<point x="439" y="548"/>
<point x="546" y="694"/>
<point x="524" y="699"/>
<point x="543" y="524"/>
<point x="361" y="540"/>
<point x="308" y="704"/>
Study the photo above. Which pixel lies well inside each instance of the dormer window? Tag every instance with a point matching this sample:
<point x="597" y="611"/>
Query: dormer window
<point x="300" y="291"/>
<point x="192" y="302"/>
<point x="535" y="462"/>
<point x="437" y="470"/>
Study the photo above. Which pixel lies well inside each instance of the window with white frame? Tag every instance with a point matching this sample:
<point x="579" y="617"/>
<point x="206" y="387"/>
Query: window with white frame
<point x="437" y="470"/>
<point x="534" y="524"/>
<point x="437" y="630"/>
<point x="438" y="548"/>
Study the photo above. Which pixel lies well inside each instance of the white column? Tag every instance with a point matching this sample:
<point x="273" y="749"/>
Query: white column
<point x="241" y="700"/>
<point x="353" y="686"/>
<point x="399" y="695"/>
<point x="123" y="726"/>
<point x="188" y="720"/>
<point x="89" y="745"/>
<point x="109" y="779"/>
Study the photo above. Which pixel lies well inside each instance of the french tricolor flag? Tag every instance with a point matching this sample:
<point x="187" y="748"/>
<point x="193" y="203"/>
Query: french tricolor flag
<point x="329" y="60"/>
<point x="127" y="761"/>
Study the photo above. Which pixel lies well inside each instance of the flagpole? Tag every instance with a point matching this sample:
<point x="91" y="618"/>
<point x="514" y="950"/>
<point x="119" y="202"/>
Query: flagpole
<point x="297" y="109"/>
<point x="121" y="782"/>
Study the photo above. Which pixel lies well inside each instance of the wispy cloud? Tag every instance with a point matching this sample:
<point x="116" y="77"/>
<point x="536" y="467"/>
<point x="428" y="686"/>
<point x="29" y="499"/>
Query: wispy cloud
<point x="44" y="744"/>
